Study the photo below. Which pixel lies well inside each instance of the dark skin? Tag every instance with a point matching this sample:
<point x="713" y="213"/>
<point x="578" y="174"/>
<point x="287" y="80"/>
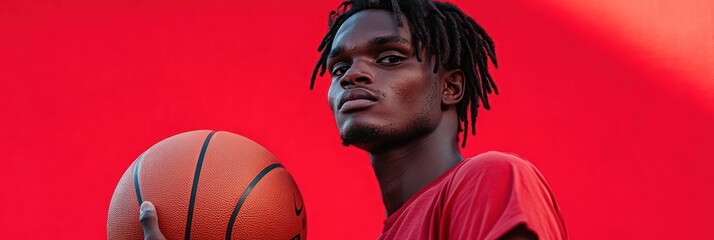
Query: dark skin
<point x="414" y="114"/>
<point x="400" y="111"/>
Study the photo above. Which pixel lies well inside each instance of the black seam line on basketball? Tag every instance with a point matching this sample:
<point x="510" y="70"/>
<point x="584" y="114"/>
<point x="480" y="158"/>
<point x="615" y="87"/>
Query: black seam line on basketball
<point x="136" y="178"/>
<point x="194" y="188"/>
<point x="234" y="215"/>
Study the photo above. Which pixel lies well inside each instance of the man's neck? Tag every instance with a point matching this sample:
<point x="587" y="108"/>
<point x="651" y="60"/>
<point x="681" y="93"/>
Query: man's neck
<point x="405" y="169"/>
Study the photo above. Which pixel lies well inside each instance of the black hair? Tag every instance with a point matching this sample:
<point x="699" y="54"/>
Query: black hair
<point x="453" y="38"/>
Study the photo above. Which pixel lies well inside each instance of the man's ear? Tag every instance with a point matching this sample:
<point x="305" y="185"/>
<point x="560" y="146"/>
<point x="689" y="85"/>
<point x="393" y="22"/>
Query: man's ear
<point x="452" y="87"/>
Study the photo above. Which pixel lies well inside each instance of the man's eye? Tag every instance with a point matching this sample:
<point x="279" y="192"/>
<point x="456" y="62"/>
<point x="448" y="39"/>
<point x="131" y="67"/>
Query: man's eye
<point x="339" y="70"/>
<point x="391" y="60"/>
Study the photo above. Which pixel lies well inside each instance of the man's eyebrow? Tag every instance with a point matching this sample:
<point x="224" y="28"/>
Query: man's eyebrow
<point x="336" y="51"/>
<point x="388" y="39"/>
<point x="381" y="40"/>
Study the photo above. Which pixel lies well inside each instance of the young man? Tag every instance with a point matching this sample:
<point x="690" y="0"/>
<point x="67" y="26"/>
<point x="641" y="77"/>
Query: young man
<point x="407" y="77"/>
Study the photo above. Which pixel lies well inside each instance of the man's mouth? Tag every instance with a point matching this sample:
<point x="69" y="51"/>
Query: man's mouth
<point x="356" y="99"/>
<point x="356" y="104"/>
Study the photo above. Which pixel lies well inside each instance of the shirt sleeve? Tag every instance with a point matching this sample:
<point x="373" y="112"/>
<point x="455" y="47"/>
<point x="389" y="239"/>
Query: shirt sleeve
<point x="494" y="192"/>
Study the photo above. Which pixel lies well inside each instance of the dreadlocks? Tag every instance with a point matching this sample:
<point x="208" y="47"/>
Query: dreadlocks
<point x="454" y="39"/>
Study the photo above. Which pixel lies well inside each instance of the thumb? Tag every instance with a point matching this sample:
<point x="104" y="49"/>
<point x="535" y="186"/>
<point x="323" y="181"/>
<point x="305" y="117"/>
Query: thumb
<point x="150" y="222"/>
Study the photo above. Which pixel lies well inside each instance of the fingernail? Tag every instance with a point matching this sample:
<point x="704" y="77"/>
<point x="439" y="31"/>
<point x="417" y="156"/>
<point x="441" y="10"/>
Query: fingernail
<point x="146" y="205"/>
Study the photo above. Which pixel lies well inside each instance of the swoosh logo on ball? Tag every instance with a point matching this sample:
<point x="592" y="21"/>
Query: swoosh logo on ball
<point x="298" y="211"/>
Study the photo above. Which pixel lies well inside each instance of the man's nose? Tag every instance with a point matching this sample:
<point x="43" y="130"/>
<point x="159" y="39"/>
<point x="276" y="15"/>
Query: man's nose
<point x="358" y="73"/>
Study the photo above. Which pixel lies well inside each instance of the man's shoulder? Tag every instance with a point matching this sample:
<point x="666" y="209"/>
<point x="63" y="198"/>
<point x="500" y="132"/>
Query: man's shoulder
<point x="494" y="163"/>
<point x="507" y="190"/>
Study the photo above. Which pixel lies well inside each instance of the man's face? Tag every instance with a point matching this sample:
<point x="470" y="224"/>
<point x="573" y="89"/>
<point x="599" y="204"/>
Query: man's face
<point x="380" y="94"/>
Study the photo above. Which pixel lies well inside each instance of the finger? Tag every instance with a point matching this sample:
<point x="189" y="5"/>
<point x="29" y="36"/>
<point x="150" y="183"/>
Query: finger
<point x="149" y="222"/>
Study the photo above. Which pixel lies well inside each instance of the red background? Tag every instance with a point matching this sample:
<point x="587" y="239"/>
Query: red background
<point x="612" y="100"/>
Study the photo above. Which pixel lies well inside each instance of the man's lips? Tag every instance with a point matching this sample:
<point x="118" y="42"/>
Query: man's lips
<point x="354" y="99"/>
<point x="356" y="104"/>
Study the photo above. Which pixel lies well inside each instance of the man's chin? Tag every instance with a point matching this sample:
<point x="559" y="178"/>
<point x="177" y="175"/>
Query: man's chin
<point x="360" y="137"/>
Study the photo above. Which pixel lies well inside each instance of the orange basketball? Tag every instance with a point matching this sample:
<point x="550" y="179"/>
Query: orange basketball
<point x="209" y="185"/>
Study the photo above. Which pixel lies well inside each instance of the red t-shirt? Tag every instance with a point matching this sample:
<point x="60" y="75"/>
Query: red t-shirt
<point x="483" y="197"/>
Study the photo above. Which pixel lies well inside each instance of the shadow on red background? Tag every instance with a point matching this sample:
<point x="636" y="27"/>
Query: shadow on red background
<point x="88" y="86"/>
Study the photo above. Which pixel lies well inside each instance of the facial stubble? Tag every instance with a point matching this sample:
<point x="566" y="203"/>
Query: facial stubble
<point x="363" y="134"/>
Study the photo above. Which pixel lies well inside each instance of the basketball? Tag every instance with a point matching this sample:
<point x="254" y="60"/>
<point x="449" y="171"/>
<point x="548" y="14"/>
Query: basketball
<point x="209" y="185"/>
